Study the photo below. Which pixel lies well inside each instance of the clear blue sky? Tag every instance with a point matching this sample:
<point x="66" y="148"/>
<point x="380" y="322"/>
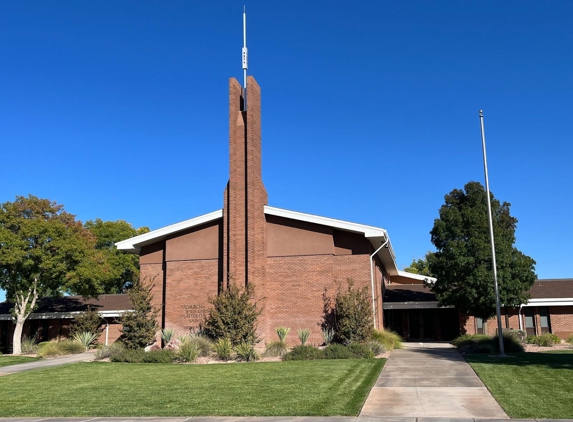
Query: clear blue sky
<point x="118" y="110"/>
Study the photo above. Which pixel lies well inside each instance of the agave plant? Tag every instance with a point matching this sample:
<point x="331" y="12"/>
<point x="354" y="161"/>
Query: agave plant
<point x="282" y="332"/>
<point x="303" y="335"/>
<point x="167" y="335"/>
<point x="85" y="338"/>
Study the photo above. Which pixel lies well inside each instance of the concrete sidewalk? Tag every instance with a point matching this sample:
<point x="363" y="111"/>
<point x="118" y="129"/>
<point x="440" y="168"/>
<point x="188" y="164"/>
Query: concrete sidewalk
<point x="47" y="363"/>
<point x="430" y="380"/>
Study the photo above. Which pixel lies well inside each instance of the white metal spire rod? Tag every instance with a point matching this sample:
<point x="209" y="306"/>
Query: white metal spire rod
<point x="497" y="306"/>
<point x="245" y="56"/>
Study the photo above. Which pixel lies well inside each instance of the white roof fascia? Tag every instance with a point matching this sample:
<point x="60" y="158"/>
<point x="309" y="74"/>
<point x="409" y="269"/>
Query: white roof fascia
<point x="134" y="244"/>
<point x="376" y="235"/>
<point x="417" y="277"/>
<point x="562" y="301"/>
<point x="66" y="315"/>
<point x="413" y="305"/>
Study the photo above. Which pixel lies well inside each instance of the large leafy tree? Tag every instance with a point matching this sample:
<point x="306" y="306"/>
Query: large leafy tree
<point x="124" y="267"/>
<point x="462" y="262"/>
<point x="420" y="266"/>
<point x="45" y="251"/>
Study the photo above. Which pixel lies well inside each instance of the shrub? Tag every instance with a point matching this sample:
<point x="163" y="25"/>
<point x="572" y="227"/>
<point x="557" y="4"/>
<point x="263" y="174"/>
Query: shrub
<point x="233" y="316"/>
<point x="49" y="349"/>
<point x="276" y="348"/>
<point x="282" y="332"/>
<point x="188" y="352"/>
<point x="246" y="352"/>
<point x="570" y="339"/>
<point x="71" y="347"/>
<point x="376" y="347"/>
<point x="546" y="340"/>
<point x="139" y="327"/>
<point x="88" y="321"/>
<point x="223" y="349"/>
<point x="167" y="335"/>
<point x="141" y="356"/>
<point x="336" y="351"/>
<point x="107" y="351"/>
<point x="511" y="343"/>
<point x="85" y="338"/>
<point x="327" y="335"/>
<point x="204" y="345"/>
<point x="303" y="335"/>
<point x="389" y="339"/>
<point x="29" y="345"/>
<point x="470" y="339"/>
<point x="351" y="315"/>
<point x="304" y="353"/>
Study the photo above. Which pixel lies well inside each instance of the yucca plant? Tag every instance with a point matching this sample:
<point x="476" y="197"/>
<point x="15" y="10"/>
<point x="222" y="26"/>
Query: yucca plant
<point x="282" y="332"/>
<point x="276" y="348"/>
<point x="85" y="338"/>
<point x="303" y="335"/>
<point x="327" y="335"/>
<point x="223" y="348"/>
<point x="167" y="335"/>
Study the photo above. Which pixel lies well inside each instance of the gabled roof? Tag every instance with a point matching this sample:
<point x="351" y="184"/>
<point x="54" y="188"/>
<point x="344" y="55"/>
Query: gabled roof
<point x="376" y="235"/>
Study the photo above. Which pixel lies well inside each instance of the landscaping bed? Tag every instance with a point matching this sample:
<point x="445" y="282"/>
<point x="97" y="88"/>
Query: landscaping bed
<point x="301" y="388"/>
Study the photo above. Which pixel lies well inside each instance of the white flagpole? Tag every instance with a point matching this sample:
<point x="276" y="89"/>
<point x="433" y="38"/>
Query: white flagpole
<point x="497" y="306"/>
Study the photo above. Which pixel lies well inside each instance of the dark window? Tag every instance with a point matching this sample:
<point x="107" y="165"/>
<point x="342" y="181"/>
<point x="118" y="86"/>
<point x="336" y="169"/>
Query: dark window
<point x="529" y="321"/>
<point x="544" y="317"/>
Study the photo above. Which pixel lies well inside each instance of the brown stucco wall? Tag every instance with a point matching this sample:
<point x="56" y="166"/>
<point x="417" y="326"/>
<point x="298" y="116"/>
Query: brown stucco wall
<point x="286" y="237"/>
<point x="199" y="243"/>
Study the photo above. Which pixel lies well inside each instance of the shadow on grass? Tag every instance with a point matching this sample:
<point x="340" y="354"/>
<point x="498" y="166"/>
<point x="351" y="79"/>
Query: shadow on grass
<point x="554" y="360"/>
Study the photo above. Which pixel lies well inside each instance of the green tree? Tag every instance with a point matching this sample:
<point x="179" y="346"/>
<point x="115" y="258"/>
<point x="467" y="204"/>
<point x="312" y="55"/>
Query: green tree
<point x="45" y="251"/>
<point x="462" y="262"/>
<point x="124" y="267"/>
<point x="87" y="321"/>
<point x="233" y="316"/>
<point x="139" y="327"/>
<point x="420" y="266"/>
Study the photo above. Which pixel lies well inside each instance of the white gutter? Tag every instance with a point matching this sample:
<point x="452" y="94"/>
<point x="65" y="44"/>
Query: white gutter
<point x="372" y="279"/>
<point x="65" y="315"/>
<point x="106" y="332"/>
<point x="519" y="316"/>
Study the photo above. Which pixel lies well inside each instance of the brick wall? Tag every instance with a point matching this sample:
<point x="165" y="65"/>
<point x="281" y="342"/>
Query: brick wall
<point x="561" y="318"/>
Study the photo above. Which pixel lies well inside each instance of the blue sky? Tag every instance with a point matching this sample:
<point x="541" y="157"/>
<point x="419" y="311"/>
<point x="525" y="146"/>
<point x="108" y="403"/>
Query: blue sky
<point x="118" y="110"/>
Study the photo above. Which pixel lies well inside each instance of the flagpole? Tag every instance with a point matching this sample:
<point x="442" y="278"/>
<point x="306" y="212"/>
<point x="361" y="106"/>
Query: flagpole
<point x="497" y="306"/>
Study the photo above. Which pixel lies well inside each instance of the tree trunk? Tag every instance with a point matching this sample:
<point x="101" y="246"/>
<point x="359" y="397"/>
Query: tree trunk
<point x="17" y="340"/>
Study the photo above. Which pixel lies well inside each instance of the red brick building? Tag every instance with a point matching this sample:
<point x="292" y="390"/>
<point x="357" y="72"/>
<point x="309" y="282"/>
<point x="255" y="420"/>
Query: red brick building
<point x="292" y="258"/>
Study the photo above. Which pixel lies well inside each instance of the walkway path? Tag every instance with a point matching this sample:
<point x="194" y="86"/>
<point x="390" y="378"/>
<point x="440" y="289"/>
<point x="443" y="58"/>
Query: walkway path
<point x="430" y="380"/>
<point x="46" y="363"/>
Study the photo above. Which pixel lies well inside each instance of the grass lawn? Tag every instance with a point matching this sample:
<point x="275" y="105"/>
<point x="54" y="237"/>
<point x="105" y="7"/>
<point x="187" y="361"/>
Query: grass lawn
<point x="529" y="385"/>
<point x="6" y="360"/>
<point x="305" y="388"/>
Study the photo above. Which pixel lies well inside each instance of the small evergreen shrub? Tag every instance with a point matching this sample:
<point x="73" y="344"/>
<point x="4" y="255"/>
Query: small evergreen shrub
<point x="327" y="335"/>
<point x="282" y="332"/>
<point x="139" y="327"/>
<point x="511" y="343"/>
<point x="71" y="347"/>
<point x="570" y="339"/>
<point x="276" y="348"/>
<point x="223" y="349"/>
<point x="246" y="352"/>
<point x="336" y="351"/>
<point x="49" y="349"/>
<point x="88" y="321"/>
<point x="389" y="339"/>
<point x="233" y="316"/>
<point x="303" y="335"/>
<point x="203" y="344"/>
<point x="107" y="351"/>
<point x="470" y="339"/>
<point x="545" y="340"/>
<point x="376" y="347"/>
<point x="29" y="345"/>
<point x="360" y="351"/>
<point x="303" y="353"/>
<point x="141" y="356"/>
<point x="188" y="352"/>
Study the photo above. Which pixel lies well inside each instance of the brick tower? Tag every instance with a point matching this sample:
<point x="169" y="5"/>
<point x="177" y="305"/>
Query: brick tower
<point x="244" y="240"/>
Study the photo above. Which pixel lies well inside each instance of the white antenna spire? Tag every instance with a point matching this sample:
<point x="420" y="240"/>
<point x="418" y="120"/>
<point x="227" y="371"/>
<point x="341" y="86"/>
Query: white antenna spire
<point x="245" y="65"/>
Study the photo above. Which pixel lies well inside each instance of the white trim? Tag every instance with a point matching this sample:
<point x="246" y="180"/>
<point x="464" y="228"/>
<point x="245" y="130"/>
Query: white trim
<point x="417" y="277"/>
<point x="134" y="244"/>
<point x="563" y="301"/>
<point x="413" y="305"/>
<point x="65" y="315"/>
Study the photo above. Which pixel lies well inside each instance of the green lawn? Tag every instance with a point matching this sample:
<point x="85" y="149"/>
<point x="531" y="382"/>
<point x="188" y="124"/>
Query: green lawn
<point x="6" y="360"/>
<point x="529" y="385"/>
<point x="317" y="388"/>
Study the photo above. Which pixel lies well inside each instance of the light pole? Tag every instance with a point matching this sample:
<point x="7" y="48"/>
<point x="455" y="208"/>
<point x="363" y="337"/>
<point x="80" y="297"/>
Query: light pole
<point x="497" y="306"/>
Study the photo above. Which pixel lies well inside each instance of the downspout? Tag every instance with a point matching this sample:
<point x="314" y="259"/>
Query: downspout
<point x="372" y="280"/>
<point x="106" y="331"/>
<point x="519" y="316"/>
